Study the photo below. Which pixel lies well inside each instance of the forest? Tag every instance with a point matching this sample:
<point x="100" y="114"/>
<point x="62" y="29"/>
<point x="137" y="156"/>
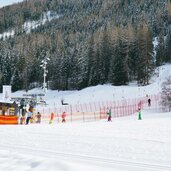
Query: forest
<point x="91" y="42"/>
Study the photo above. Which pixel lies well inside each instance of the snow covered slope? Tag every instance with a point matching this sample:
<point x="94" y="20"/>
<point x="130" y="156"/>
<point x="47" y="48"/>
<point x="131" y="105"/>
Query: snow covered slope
<point x="124" y="144"/>
<point x="105" y="92"/>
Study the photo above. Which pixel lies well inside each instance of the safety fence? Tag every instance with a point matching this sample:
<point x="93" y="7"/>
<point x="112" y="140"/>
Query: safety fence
<point x="98" y="110"/>
<point x="8" y="120"/>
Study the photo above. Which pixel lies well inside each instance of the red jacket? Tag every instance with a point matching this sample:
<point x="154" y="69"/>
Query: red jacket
<point x="51" y="116"/>
<point x="63" y="115"/>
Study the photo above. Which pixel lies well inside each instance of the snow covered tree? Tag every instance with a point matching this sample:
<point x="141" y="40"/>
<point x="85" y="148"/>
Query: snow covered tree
<point x="82" y="66"/>
<point x="65" y="70"/>
<point x="92" y="62"/>
<point x="105" y="56"/>
<point x="167" y="47"/>
<point x="166" y="94"/>
<point x="160" y="51"/>
<point x="119" y="70"/>
<point x="145" y="57"/>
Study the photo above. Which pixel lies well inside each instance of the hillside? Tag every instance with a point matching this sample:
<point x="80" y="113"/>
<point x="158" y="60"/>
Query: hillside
<point x="102" y="93"/>
<point x="88" y="42"/>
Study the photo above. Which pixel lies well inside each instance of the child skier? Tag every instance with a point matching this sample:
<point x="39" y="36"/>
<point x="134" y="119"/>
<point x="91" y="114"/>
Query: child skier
<point x="38" y="117"/>
<point x="29" y="115"/>
<point x="63" y="117"/>
<point x="22" y="120"/>
<point x="109" y="113"/>
<point x="139" y="114"/>
<point x="51" y="118"/>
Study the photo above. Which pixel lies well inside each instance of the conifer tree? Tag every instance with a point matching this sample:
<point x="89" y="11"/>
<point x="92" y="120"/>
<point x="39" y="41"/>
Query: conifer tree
<point x="119" y="72"/>
<point x="160" y="51"/>
<point x="105" y="57"/>
<point x="145" y="58"/>
<point x="91" y="70"/>
<point x="168" y="49"/>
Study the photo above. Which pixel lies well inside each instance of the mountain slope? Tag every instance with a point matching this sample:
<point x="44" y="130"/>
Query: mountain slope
<point x="90" y="43"/>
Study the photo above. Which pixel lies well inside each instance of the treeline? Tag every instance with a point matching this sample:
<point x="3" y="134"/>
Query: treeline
<point x="92" y="42"/>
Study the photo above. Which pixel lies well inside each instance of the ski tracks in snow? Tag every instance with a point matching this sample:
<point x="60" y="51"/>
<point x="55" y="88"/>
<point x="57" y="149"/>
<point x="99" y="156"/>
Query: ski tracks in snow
<point x="93" y="160"/>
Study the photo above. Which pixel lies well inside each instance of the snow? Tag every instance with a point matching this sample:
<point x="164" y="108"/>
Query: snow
<point x="29" y="25"/>
<point x="7" y="34"/>
<point x="155" y="44"/>
<point x="104" y="92"/>
<point x="124" y="144"/>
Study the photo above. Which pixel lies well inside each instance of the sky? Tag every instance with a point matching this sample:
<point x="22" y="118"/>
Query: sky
<point x="8" y="2"/>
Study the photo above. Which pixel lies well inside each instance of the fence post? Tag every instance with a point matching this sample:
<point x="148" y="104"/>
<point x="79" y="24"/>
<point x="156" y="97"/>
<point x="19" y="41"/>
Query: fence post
<point x="100" y="113"/>
<point x="86" y="107"/>
<point x="117" y="111"/>
<point x="56" y="114"/>
<point x="71" y="112"/>
<point x="94" y="116"/>
<point x="83" y="117"/>
<point x="90" y="107"/>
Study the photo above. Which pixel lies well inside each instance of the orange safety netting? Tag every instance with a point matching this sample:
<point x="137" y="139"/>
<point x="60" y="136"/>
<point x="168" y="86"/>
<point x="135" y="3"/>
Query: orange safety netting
<point x="8" y="119"/>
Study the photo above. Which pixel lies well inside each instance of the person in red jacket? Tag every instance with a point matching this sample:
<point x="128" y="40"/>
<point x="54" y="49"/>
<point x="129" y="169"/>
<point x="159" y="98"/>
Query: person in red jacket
<point x="63" y="117"/>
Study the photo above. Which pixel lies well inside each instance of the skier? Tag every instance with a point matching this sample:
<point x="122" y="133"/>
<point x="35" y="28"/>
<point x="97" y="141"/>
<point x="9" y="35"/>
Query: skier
<point x="33" y="118"/>
<point x="139" y="114"/>
<point x="22" y="119"/>
<point x="149" y="102"/>
<point x="29" y="115"/>
<point x="23" y="107"/>
<point x="139" y="105"/>
<point x="51" y="118"/>
<point x="63" y="117"/>
<point x="109" y="113"/>
<point x="38" y="117"/>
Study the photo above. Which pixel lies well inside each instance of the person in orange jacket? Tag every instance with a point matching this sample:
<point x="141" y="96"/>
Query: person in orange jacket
<point x="51" y="118"/>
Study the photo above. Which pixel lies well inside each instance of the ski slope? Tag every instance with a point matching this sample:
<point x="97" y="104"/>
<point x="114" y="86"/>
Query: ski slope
<point x="124" y="144"/>
<point x="104" y="92"/>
